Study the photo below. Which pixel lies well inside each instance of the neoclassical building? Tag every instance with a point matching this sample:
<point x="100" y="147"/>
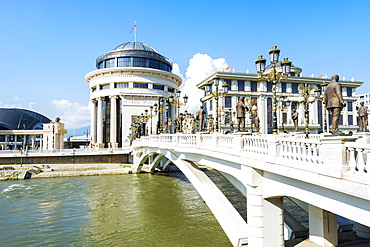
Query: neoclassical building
<point x="126" y="82"/>
<point x="258" y="94"/>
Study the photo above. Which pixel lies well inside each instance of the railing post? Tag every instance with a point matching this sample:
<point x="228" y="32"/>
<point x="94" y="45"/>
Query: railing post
<point x="332" y="152"/>
<point x="272" y="147"/>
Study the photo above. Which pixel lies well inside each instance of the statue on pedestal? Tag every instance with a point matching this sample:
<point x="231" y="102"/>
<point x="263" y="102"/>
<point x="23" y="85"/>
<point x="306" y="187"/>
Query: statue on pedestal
<point x="200" y="117"/>
<point x="240" y="113"/>
<point x="362" y="114"/>
<point x="334" y="102"/>
<point x="295" y="119"/>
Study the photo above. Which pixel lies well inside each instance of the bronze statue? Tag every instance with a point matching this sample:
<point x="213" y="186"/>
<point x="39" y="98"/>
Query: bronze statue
<point x="334" y="102"/>
<point x="362" y="113"/>
<point x="240" y="113"/>
<point x="257" y="123"/>
<point x="200" y="117"/>
<point x="295" y="119"/>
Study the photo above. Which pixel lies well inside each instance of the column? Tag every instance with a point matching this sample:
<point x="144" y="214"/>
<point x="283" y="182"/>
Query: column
<point x="32" y="142"/>
<point x="6" y="142"/>
<point x="113" y="122"/>
<point x="15" y="142"/>
<point x="93" y="122"/>
<point x="99" y="124"/>
<point x="323" y="227"/>
<point x="265" y="217"/>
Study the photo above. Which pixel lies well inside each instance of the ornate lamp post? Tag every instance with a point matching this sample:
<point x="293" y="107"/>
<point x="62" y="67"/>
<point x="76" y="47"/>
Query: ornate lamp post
<point x="216" y="95"/>
<point x="283" y="108"/>
<point x="274" y="77"/>
<point x="177" y="102"/>
<point x="306" y="98"/>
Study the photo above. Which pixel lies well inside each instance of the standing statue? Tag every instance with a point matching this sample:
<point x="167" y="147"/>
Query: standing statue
<point x="200" y="117"/>
<point x="362" y="113"/>
<point x="295" y="119"/>
<point x="334" y="102"/>
<point x="240" y="113"/>
<point x="257" y="123"/>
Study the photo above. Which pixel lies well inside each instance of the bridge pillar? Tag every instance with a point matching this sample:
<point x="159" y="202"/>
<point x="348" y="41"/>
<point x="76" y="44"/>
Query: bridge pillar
<point x="265" y="217"/>
<point x="323" y="227"/>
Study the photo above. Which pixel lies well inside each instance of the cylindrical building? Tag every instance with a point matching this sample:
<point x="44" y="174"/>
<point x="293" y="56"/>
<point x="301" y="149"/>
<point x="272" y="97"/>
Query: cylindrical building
<point x="127" y="81"/>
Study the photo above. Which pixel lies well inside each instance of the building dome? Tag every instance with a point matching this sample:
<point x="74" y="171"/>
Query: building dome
<point x="21" y="119"/>
<point x="134" y="54"/>
<point x="135" y="46"/>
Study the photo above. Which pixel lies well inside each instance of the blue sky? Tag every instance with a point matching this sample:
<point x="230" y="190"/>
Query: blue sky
<point x="48" y="46"/>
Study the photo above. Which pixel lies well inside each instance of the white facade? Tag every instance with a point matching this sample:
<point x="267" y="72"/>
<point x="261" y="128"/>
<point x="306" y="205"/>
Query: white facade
<point x="120" y="94"/>
<point x="291" y="90"/>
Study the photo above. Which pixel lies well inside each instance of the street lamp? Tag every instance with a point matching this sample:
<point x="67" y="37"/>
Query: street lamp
<point x="178" y="103"/>
<point x="320" y="93"/>
<point x="274" y="77"/>
<point x="284" y="105"/>
<point x="307" y="97"/>
<point x="216" y="95"/>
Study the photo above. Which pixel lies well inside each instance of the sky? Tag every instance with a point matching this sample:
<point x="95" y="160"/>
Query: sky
<point x="47" y="46"/>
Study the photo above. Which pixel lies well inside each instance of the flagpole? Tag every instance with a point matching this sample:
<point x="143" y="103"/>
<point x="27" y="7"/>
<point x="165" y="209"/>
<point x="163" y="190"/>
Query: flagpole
<point x="135" y="32"/>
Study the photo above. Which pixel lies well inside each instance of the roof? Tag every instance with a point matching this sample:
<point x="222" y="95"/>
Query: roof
<point x="21" y="119"/>
<point x="138" y="46"/>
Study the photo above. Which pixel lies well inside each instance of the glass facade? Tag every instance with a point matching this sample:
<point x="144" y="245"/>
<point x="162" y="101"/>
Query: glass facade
<point x="121" y="85"/>
<point x="140" y="85"/>
<point x="295" y="87"/>
<point x="158" y="87"/>
<point x="269" y="86"/>
<point x="124" y="62"/>
<point x="227" y="101"/>
<point x="109" y="63"/>
<point x="241" y="86"/>
<point x="349" y="91"/>
<point x="283" y="87"/>
<point x="105" y="86"/>
<point x="139" y="62"/>
<point x="253" y="86"/>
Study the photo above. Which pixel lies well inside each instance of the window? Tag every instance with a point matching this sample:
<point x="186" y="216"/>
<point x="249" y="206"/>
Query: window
<point x="210" y="105"/>
<point x="269" y="86"/>
<point x="154" y="64"/>
<point x="295" y="87"/>
<point x="139" y="62"/>
<point x="253" y="86"/>
<point x="228" y="102"/>
<point x="350" y="106"/>
<point x="165" y="67"/>
<point x="106" y="86"/>
<point x="121" y="85"/>
<point x="350" y="120"/>
<point x="349" y="91"/>
<point x="283" y="87"/>
<point x="228" y="82"/>
<point x="140" y="85"/>
<point x="100" y="65"/>
<point x="124" y="62"/>
<point x="109" y="63"/>
<point x="158" y="87"/>
<point x="241" y="85"/>
<point x="171" y="90"/>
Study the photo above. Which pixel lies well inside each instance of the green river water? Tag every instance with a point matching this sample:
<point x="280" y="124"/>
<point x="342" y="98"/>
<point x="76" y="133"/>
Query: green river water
<point x="113" y="210"/>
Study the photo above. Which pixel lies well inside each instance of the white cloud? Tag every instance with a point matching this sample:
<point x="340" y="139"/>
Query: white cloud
<point x="200" y="67"/>
<point x="31" y="104"/>
<point x="16" y="98"/>
<point x="75" y="115"/>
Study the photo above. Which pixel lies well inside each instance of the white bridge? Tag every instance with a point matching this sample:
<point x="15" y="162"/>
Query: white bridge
<point x="324" y="175"/>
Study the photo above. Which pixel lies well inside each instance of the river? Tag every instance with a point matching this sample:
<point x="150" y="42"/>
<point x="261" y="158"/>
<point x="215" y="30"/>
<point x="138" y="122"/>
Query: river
<point x="112" y="210"/>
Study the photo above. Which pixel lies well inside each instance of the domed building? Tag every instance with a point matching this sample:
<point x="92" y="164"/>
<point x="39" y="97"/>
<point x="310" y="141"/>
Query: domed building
<point x="126" y="82"/>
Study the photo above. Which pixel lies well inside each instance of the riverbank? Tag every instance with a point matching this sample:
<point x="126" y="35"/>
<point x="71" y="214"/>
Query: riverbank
<point x="18" y="172"/>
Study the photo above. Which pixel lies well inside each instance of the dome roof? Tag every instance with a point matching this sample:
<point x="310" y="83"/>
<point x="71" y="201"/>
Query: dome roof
<point x="135" y="46"/>
<point x="21" y="119"/>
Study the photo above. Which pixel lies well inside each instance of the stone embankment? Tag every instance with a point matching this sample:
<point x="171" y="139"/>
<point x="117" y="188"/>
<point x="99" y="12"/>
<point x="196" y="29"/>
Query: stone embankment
<point x="16" y="172"/>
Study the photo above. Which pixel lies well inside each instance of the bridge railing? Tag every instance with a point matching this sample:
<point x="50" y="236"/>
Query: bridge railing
<point x="331" y="156"/>
<point x="357" y="157"/>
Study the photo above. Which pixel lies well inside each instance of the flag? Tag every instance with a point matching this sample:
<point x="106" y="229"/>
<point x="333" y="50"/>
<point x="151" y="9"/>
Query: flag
<point x="133" y="27"/>
<point x="227" y="68"/>
<point x="321" y="75"/>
